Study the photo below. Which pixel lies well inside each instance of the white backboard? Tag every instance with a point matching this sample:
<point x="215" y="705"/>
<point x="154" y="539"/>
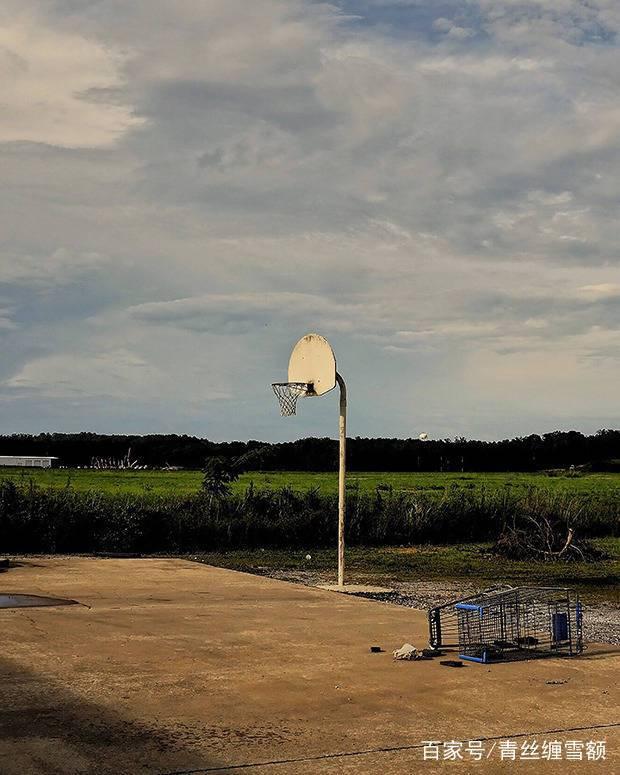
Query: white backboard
<point x="313" y="361"/>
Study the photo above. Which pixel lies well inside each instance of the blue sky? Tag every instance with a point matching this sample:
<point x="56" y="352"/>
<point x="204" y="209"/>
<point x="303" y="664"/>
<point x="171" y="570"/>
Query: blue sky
<point x="189" y="187"/>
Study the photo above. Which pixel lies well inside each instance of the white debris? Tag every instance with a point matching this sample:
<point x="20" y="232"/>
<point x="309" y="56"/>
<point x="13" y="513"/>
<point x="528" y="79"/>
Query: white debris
<point x="407" y="651"/>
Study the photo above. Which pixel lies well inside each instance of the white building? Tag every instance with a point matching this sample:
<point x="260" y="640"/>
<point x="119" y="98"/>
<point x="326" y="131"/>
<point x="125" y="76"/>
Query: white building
<point x="27" y="461"/>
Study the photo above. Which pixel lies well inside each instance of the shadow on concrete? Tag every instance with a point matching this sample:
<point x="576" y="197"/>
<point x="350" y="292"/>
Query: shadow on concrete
<point x="24" y="600"/>
<point x="46" y="729"/>
<point x="10" y="563"/>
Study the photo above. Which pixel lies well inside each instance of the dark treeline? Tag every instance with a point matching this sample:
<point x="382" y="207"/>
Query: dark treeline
<point x="601" y="451"/>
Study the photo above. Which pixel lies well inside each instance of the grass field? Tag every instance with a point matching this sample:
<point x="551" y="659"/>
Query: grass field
<point x="185" y="482"/>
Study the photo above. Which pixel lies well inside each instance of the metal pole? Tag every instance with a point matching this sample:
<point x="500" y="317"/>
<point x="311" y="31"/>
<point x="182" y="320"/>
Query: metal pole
<point x="342" y="428"/>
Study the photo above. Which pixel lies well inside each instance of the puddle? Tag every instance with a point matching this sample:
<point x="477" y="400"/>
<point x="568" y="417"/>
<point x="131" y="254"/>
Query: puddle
<point x="32" y="601"/>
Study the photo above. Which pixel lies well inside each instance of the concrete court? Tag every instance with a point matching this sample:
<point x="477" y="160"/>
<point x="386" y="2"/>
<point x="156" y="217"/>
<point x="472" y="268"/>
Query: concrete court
<point x="173" y="667"/>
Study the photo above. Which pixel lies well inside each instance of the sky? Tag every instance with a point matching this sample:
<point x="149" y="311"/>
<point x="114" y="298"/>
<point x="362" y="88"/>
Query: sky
<point x="188" y="187"/>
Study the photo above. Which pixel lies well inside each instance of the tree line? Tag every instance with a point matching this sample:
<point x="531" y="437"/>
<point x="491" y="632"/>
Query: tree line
<point x="558" y="449"/>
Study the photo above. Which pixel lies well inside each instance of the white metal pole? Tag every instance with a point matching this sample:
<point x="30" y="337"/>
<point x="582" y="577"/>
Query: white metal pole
<point x="342" y="428"/>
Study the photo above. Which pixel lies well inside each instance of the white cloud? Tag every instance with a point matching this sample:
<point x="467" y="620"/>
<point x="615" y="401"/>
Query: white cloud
<point x="58" y="87"/>
<point x="112" y="374"/>
<point x="600" y="291"/>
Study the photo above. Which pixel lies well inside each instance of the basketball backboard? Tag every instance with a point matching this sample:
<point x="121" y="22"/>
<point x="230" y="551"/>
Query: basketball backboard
<point x="312" y="361"/>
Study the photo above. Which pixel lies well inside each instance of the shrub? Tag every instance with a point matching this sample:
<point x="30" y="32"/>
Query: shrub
<point x="36" y="520"/>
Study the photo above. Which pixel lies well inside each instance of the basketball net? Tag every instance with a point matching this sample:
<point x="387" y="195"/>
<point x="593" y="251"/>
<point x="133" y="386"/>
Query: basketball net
<point x="287" y="394"/>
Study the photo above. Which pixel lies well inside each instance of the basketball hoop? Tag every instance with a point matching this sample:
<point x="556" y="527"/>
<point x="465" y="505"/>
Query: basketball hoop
<point x="312" y="372"/>
<point x="287" y="394"/>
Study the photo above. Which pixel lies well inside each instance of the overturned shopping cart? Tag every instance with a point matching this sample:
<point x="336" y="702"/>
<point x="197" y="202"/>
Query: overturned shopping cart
<point x="510" y="623"/>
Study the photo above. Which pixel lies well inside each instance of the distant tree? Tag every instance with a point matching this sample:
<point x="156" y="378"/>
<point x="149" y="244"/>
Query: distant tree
<point x="558" y="449"/>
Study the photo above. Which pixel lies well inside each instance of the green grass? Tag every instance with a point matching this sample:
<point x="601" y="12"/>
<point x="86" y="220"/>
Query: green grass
<point x="434" y="481"/>
<point x="109" y="482"/>
<point x="186" y="482"/>
<point x="473" y="563"/>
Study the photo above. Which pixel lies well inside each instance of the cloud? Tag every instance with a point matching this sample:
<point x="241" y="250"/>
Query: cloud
<point x="6" y="324"/>
<point x="59" y="267"/>
<point x="108" y="375"/>
<point x="190" y="187"/>
<point x="601" y="291"/>
<point x="58" y="87"/>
